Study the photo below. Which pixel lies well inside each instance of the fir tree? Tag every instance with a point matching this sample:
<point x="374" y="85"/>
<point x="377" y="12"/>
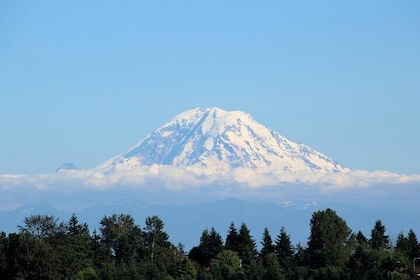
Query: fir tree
<point x="284" y="250"/>
<point x="361" y="239"/>
<point x="409" y="245"/>
<point x="211" y="244"/>
<point x="232" y="238"/>
<point x="74" y="228"/>
<point x="267" y="245"/>
<point x="378" y="238"/>
<point x="247" y="248"/>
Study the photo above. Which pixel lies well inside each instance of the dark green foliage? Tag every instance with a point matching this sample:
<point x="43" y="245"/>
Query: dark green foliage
<point x="361" y="239"/>
<point x="285" y="251"/>
<point x="267" y="245"/>
<point x="29" y="258"/>
<point x="87" y="274"/>
<point x="378" y="238"/>
<point x="74" y="228"/>
<point x="71" y="249"/>
<point x="242" y="243"/>
<point x="41" y="226"/>
<point x="367" y="263"/>
<point x="232" y="238"/>
<point x="247" y="248"/>
<point x="46" y="249"/>
<point x="211" y="245"/>
<point x="408" y="245"/>
<point x="183" y="268"/>
<point x="3" y="260"/>
<point x="247" y="251"/>
<point x="120" y="234"/>
<point x="272" y="269"/>
<point x="101" y="253"/>
<point x="413" y="246"/>
<point x="155" y="239"/>
<point x="328" y="239"/>
<point x="227" y="265"/>
<point x="330" y="273"/>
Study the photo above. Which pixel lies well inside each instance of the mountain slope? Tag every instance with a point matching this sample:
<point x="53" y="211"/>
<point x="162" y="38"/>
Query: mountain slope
<point x="222" y="140"/>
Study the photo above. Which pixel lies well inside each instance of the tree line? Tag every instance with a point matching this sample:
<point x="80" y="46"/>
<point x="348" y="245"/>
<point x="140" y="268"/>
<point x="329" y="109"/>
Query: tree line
<point x="44" y="248"/>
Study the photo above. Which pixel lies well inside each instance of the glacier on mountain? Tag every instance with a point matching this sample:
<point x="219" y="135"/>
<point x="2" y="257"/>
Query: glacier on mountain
<point x="220" y="141"/>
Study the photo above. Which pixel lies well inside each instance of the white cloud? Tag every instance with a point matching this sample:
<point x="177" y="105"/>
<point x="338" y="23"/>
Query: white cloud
<point x="179" y="178"/>
<point x="198" y="182"/>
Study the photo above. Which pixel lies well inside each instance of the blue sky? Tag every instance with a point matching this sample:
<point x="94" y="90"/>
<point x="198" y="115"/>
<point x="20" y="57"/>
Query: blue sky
<point x="81" y="81"/>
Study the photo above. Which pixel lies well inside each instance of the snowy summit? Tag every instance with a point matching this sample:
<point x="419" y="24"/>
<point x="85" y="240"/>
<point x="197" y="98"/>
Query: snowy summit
<point x="67" y="166"/>
<point x="222" y="140"/>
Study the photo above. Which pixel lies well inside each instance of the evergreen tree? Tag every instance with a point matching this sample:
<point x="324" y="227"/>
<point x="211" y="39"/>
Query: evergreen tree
<point x="100" y="252"/>
<point x="214" y="244"/>
<point x="300" y="256"/>
<point x="328" y="239"/>
<point x="45" y="249"/>
<point x="232" y="238"/>
<point x="71" y="248"/>
<point x="267" y="245"/>
<point x="401" y="244"/>
<point x="247" y="248"/>
<point x="413" y="245"/>
<point x="211" y="244"/>
<point x="284" y="250"/>
<point x="247" y="251"/>
<point x="367" y="263"/>
<point x="73" y="227"/>
<point x="409" y="245"/>
<point x="379" y="240"/>
<point x="300" y="261"/>
<point x="361" y="239"/>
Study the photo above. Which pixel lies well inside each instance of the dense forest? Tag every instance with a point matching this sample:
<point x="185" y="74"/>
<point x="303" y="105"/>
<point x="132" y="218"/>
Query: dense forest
<point x="45" y="248"/>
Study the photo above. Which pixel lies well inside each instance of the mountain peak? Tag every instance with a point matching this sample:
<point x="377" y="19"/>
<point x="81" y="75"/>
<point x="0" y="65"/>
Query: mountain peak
<point x="67" y="166"/>
<point x="212" y="119"/>
<point x="221" y="140"/>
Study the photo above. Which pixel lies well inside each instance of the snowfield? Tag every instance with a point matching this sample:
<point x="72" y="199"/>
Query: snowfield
<point x="222" y="140"/>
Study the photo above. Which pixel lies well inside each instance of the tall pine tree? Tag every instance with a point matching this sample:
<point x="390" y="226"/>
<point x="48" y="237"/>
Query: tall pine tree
<point x="211" y="244"/>
<point x="247" y="247"/>
<point x="267" y="245"/>
<point x="284" y="250"/>
<point x="232" y="238"/>
<point x="378" y="239"/>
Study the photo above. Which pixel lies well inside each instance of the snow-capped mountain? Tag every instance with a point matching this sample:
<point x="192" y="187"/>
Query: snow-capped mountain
<point x="67" y="166"/>
<point x="222" y="140"/>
